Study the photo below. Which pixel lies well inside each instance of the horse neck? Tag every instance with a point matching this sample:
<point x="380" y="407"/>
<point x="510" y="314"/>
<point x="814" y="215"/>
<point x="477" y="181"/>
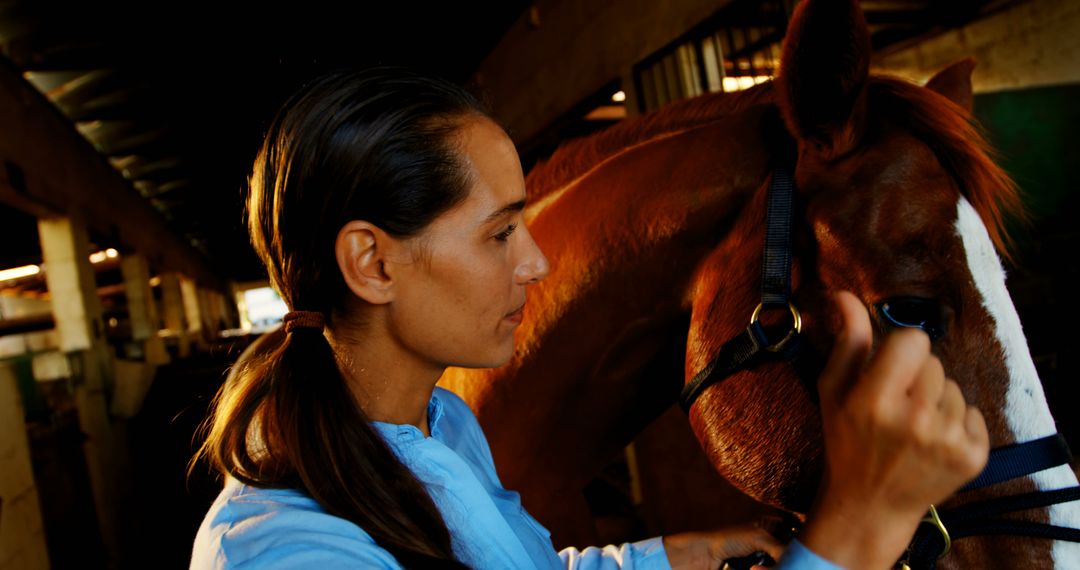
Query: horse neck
<point x="624" y="240"/>
<point x="1026" y="413"/>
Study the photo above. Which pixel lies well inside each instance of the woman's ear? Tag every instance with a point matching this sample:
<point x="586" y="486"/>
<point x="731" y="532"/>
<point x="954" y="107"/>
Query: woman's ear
<point x="362" y="252"/>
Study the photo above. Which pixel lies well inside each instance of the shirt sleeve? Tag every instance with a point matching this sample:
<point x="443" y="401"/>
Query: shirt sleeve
<point x="318" y="555"/>
<point x="278" y="537"/>
<point x="642" y="555"/>
<point x="650" y="554"/>
<point x="799" y="557"/>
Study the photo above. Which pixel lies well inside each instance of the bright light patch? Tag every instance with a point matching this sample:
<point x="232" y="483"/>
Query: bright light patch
<point x="99" y="256"/>
<point x="743" y="82"/>
<point x="619" y="96"/>
<point x="19" y="272"/>
<point x="263" y="306"/>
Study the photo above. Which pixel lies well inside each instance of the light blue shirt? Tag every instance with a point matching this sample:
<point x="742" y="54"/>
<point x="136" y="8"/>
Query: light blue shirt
<point x="256" y="528"/>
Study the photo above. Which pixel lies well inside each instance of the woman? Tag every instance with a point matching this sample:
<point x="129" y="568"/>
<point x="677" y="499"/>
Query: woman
<point x="387" y="208"/>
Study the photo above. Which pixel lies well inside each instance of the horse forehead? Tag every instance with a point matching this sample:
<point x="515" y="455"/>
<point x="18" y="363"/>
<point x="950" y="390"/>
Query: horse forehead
<point x="895" y="190"/>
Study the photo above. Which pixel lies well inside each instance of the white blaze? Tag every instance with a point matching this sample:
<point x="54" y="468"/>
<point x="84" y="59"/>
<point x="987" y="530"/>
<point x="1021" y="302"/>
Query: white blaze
<point x="1026" y="411"/>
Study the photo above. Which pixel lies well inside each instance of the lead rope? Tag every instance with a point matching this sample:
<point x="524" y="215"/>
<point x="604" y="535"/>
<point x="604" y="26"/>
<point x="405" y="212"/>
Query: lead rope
<point x="934" y="537"/>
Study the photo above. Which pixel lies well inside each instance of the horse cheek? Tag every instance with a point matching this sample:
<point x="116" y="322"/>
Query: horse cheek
<point x="762" y="432"/>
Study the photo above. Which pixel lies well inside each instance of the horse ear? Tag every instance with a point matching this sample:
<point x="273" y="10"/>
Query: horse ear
<point x="823" y="75"/>
<point x="954" y="82"/>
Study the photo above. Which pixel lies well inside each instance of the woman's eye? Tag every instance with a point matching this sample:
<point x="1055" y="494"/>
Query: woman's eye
<point x="912" y="312"/>
<point x="505" y="234"/>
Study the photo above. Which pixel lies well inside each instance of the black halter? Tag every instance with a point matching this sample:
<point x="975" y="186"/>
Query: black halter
<point x="934" y="537"/>
<point x="754" y="346"/>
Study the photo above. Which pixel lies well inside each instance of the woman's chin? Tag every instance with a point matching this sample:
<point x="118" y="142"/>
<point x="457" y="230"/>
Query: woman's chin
<point x="498" y="358"/>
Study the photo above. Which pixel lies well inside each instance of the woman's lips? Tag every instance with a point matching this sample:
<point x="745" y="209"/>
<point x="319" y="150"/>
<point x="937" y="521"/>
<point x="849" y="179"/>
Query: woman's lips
<point x="515" y="317"/>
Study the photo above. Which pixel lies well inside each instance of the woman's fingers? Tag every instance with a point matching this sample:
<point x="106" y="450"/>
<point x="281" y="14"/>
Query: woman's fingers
<point x="895" y="371"/>
<point x="709" y="549"/>
<point x="928" y="388"/>
<point x="952" y="406"/>
<point x="976" y="426"/>
<point x="978" y="442"/>
<point x="744" y="541"/>
<point x="850" y="351"/>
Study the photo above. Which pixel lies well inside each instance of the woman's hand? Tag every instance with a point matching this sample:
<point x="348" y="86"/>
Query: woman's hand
<point x="898" y="437"/>
<point x="708" y="549"/>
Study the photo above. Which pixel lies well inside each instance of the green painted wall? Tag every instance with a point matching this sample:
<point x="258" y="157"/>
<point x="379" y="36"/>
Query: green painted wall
<point x="1037" y="132"/>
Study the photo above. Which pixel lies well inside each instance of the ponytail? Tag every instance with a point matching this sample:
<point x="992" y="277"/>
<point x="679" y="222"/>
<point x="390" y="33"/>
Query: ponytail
<point x="286" y="419"/>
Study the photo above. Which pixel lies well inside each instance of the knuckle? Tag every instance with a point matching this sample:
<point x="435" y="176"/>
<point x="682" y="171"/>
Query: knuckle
<point x="920" y="429"/>
<point x="912" y="339"/>
<point x="953" y="389"/>
<point x="935" y="372"/>
<point x="974" y="459"/>
<point x="879" y="412"/>
<point x="962" y="454"/>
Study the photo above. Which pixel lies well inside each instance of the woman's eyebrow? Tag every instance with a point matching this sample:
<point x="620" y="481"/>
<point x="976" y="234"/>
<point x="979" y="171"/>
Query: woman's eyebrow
<point x="507" y="209"/>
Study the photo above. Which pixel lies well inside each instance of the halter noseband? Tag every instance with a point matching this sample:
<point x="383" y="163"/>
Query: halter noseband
<point x="940" y="528"/>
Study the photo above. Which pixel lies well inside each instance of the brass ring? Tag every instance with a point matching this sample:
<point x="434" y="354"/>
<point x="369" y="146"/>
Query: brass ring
<point x="795" y="329"/>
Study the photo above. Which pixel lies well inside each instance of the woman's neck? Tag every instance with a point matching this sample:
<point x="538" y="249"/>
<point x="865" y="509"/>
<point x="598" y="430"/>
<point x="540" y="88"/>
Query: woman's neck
<point x="390" y="384"/>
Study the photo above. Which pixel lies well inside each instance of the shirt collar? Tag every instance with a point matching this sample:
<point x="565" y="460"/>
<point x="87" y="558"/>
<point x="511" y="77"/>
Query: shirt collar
<point x="407" y="433"/>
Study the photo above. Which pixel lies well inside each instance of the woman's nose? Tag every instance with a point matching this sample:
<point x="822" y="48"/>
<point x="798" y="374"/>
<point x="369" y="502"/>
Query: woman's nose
<point x="534" y="265"/>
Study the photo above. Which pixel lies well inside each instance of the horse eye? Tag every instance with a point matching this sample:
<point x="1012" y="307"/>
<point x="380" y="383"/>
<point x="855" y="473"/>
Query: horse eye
<point x="912" y="312"/>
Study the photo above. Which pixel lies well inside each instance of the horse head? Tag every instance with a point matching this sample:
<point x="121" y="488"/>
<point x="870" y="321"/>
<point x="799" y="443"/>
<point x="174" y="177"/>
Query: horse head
<point x="897" y="200"/>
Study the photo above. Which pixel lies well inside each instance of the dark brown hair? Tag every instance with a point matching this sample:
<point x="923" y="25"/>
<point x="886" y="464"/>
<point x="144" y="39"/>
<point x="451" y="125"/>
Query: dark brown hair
<point x="378" y="145"/>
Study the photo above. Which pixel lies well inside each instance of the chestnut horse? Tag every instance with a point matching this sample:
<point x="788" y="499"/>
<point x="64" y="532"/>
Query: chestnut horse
<point x="654" y="230"/>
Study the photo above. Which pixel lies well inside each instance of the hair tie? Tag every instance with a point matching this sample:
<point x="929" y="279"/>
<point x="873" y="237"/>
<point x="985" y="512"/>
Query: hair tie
<point x="304" y="320"/>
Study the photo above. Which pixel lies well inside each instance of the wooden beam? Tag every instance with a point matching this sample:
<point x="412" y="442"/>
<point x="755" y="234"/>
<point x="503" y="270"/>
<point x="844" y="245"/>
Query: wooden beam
<point x="1027" y="44"/>
<point x="561" y="51"/>
<point x="51" y="170"/>
<point x="23" y="325"/>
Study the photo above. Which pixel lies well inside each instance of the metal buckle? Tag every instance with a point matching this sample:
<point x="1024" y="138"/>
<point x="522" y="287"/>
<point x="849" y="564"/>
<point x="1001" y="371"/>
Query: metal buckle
<point x="796" y="326"/>
<point x="932" y="518"/>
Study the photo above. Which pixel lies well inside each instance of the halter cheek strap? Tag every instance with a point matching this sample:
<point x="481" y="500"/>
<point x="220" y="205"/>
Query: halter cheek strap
<point x="303" y="320"/>
<point x="755" y="345"/>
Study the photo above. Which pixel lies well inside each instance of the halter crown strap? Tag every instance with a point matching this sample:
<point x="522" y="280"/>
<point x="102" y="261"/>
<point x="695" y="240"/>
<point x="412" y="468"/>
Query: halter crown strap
<point x="754" y="345"/>
<point x="776" y="257"/>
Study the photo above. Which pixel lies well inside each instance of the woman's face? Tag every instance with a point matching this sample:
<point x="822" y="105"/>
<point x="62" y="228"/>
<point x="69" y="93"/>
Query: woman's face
<point x="460" y="300"/>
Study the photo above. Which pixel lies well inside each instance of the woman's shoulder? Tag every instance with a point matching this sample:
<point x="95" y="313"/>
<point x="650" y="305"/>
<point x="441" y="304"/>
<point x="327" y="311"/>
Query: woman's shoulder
<point x="253" y="527"/>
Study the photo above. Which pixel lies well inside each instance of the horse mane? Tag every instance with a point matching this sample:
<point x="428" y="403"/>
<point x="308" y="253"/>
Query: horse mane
<point x="574" y="158"/>
<point x="947" y="128"/>
<point x="960" y="147"/>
